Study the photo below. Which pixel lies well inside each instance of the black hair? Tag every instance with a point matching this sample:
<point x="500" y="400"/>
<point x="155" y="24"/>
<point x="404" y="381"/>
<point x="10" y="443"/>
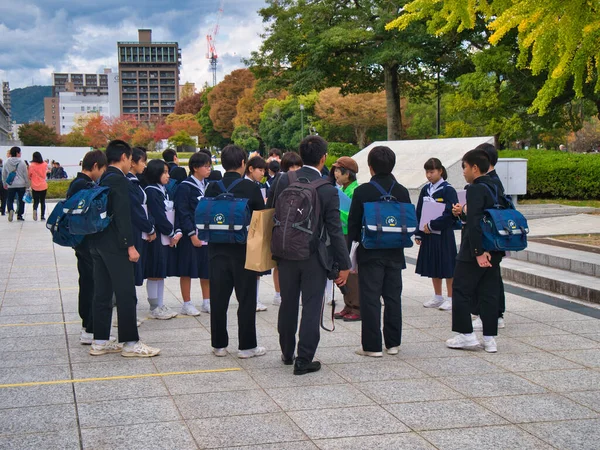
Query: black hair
<point x="276" y="152"/>
<point x="290" y="159"/>
<point x="382" y="160"/>
<point x="37" y="158"/>
<point x="436" y="164"/>
<point x="257" y="162"/>
<point x="169" y="155"/>
<point x="14" y="151"/>
<point x="479" y="158"/>
<point x="94" y="157"/>
<point x="206" y="152"/>
<point x="138" y="154"/>
<point x="351" y="173"/>
<point x="154" y="171"/>
<point x="491" y="152"/>
<point x="233" y="157"/>
<point x="274" y="167"/>
<point x="116" y="149"/>
<point x="312" y="149"/>
<point x="199" y="159"/>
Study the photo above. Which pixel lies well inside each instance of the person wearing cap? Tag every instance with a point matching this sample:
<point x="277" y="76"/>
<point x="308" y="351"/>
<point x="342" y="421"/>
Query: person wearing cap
<point x="344" y="171"/>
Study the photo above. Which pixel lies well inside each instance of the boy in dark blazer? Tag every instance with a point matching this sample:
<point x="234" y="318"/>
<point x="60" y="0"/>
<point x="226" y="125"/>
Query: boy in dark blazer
<point x="379" y="270"/>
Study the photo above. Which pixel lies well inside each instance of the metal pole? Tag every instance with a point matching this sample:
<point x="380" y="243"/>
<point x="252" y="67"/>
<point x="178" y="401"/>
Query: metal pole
<point x="439" y="108"/>
<point x="302" y="119"/>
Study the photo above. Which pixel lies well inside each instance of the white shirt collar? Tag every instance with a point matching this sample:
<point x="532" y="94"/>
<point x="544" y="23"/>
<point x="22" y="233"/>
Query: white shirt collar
<point x="315" y="169"/>
<point x="434" y="187"/>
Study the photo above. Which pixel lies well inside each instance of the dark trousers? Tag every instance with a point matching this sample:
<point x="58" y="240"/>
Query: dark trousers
<point x="39" y="198"/>
<point x="502" y="300"/>
<point x="226" y="274"/>
<point x="85" y="267"/>
<point x="309" y="278"/>
<point x="483" y="284"/>
<point x="113" y="272"/>
<point x="3" y="195"/>
<point x="18" y="193"/>
<point x="376" y="279"/>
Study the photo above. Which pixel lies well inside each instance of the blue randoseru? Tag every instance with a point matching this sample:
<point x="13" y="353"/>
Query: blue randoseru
<point x="388" y="223"/>
<point x="223" y="219"/>
<point x="503" y="228"/>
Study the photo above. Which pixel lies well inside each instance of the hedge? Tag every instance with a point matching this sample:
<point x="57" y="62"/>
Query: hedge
<point x="554" y="174"/>
<point x="57" y="188"/>
<point x="158" y="155"/>
<point x="341" y="149"/>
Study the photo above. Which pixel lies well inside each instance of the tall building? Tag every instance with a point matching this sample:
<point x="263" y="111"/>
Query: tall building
<point x="6" y="97"/>
<point x="83" y="83"/>
<point x="5" y="124"/>
<point x="149" y="76"/>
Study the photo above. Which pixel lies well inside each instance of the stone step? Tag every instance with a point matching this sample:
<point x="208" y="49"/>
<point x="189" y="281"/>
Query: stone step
<point x="577" y="261"/>
<point x="540" y="211"/>
<point x="564" y="282"/>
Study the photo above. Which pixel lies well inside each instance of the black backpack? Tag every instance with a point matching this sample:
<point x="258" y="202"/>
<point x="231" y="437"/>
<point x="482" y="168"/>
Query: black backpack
<point x="296" y="230"/>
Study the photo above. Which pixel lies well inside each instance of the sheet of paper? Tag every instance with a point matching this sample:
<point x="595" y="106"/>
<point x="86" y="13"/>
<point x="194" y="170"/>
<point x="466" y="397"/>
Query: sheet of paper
<point x="431" y="211"/>
<point x="462" y="196"/>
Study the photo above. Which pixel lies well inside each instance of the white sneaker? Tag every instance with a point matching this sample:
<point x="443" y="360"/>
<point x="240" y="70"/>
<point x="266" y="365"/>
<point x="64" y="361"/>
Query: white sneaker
<point x="139" y="350"/>
<point x="446" y="306"/>
<point x="11" y="215"/>
<point x="393" y="350"/>
<point x="462" y="341"/>
<point x="205" y="308"/>
<point x="111" y="346"/>
<point x="139" y="322"/>
<point x="220" y="352"/>
<point x="361" y="352"/>
<point x="188" y="309"/>
<point x="490" y="345"/>
<point x="434" y="303"/>
<point x="277" y="300"/>
<point x="256" y="351"/>
<point x="86" y="338"/>
<point x="477" y="324"/>
<point x="501" y="323"/>
<point x="162" y="313"/>
<point x="260" y="307"/>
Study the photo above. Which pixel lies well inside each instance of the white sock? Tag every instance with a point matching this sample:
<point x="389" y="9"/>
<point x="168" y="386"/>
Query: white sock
<point x="328" y="288"/>
<point x="439" y="297"/>
<point x="206" y="301"/>
<point x="449" y="299"/>
<point x="160" y="292"/>
<point x="152" y="290"/>
<point x="488" y="338"/>
<point x="129" y="343"/>
<point x="277" y="295"/>
<point x="257" y="287"/>
<point x="469" y="335"/>
<point x="99" y="342"/>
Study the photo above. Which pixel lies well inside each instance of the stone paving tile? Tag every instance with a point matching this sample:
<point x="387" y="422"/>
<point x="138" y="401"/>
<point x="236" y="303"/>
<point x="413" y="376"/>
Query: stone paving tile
<point x="12" y="344"/>
<point x="565" y="380"/>
<point x="34" y="373"/>
<point x="129" y="411"/>
<point x="31" y="318"/>
<point x="568" y="435"/>
<point x="225" y="404"/>
<point x="580" y="326"/>
<point x="555" y="315"/>
<point x="562" y="342"/>
<point x="489" y="438"/>
<point x="591" y="399"/>
<point x="298" y="445"/>
<point x="534" y="329"/>
<point x="318" y="397"/>
<point x="282" y="377"/>
<point x="588" y="358"/>
<point x="400" y="391"/>
<point x="243" y="430"/>
<point x="120" y="389"/>
<point x="155" y="436"/>
<point x="439" y="415"/>
<point x="460" y="365"/>
<point x="529" y="361"/>
<point x="189" y="363"/>
<point x="376" y="371"/>
<point x="38" y="419"/>
<point x="19" y="397"/>
<point x="379" y="442"/>
<point x="67" y="439"/>
<point x="112" y="365"/>
<point x="492" y="385"/>
<point x="209" y="382"/>
<point x="33" y="358"/>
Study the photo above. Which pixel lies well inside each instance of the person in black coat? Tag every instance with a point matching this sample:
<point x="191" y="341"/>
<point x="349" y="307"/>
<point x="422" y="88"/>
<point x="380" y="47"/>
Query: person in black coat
<point x="92" y="167"/>
<point x="192" y="253"/>
<point x="379" y="270"/>
<point x="309" y="277"/>
<point x="114" y="254"/>
<point x="227" y="263"/>
<point x="477" y="272"/>
<point x="175" y="172"/>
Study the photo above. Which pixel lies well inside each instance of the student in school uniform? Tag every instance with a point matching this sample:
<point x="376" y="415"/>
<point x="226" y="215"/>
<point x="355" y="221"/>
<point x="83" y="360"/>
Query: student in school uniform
<point x="113" y="255"/>
<point x="273" y="168"/>
<point x="477" y="272"/>
<point x="227" y="263"/>
<point x="192" y="252"/>
<point x="175" y="171"/>
<point x="141" y="222"/>
<point x="379" y="270"/>
<point x="255" y="172"/>
<point x="157" y="256"/>
<point x="437" y="251"/>
<point x="92" y="167"/>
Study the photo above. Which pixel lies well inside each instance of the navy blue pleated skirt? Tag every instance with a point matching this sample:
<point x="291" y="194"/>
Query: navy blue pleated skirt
<point x="437" y="255"/>
<point x="192" y="261"/>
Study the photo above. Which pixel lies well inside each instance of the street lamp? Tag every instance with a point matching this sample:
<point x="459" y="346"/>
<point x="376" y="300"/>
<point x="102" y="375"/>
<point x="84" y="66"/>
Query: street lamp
<point x="302" y="118"/>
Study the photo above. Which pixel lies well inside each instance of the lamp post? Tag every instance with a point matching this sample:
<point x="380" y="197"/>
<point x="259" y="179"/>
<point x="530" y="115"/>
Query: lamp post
<point x="302" y="118"/>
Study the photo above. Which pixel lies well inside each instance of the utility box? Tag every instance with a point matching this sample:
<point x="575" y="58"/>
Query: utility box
<point x="513" y="174"/>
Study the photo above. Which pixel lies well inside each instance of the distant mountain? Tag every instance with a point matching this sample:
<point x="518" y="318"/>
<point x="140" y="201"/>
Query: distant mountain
<point x="28" y="103"/>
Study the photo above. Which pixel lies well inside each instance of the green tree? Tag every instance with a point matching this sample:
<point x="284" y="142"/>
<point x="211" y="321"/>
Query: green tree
<point x="557" y="39"/>
<point x="75" y="139"/>
<point x="38" y="134"/>
<point x="181" y="139"/>
<point x="213" y="137"/>
<point x="244" y="137"/>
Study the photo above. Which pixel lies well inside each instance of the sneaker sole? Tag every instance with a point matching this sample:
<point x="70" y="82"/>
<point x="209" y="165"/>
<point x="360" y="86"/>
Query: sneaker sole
<point x="85" y="342"/>
<point x="188" y="314"/>
<point x="138" y="355"/>
<point x="251" y="356"/>
<point x="465" y="347"/>
<point x="103" y="352"/>
<point x="495" y="350"/>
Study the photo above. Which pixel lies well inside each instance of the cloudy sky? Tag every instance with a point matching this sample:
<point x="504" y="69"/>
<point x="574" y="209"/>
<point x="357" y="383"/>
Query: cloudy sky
<point x="40" y="37"/>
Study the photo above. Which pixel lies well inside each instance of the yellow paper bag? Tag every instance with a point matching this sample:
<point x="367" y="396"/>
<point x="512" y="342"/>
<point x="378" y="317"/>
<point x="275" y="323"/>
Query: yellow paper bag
<point x="258" y="245"/>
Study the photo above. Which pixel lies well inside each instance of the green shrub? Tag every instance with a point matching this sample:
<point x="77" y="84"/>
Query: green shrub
<point x="553" y="174"/>
<point x="341" y="149"/>
<point x="57" y="188"/>
<point x="180" y="155"/>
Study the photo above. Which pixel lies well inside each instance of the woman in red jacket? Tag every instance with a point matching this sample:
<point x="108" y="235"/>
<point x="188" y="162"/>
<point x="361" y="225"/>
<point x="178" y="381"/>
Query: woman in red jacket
<point x="39" y="186"/>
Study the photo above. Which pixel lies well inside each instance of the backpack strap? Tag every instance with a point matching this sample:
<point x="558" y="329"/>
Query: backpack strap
<point x="494" y="196"/>
<point x="382" y="191"/>
<point x="231" y="186"/>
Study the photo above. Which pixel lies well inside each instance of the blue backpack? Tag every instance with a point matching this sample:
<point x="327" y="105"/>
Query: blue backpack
<point x="58" y="224"/>
<point x="173" y="184"/>
<point x="503" y="228"/>
<point x="388" y="223"/>
<point x="223" y="219"/>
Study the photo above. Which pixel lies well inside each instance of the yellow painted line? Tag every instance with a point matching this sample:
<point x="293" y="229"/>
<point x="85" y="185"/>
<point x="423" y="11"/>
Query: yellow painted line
<point x="121" y="377"/>
<point x="35" y="324"/>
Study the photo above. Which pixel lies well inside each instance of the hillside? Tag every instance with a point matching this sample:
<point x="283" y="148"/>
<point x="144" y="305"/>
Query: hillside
<point x="28" y="103"/>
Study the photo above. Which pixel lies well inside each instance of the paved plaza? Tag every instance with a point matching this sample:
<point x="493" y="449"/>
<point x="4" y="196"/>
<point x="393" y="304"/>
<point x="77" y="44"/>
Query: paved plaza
<point x="541" y="390"/>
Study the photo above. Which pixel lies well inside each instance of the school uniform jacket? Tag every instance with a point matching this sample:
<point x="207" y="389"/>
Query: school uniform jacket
<point x="176" y="172"/>
<point x="366" y="193"/>
<point x="140" y="221"/>
<point x="156" y="207"/>
<point x="444" y="193"/>
<point x="81" y="181"/>
<point x="188" y="195"/>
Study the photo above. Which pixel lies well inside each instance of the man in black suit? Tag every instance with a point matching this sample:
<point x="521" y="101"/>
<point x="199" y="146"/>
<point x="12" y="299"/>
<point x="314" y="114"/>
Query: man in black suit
<point x="379" y="270"/>
<point x="113" y="255"/>
<point x="310" y="276"/>
<point x="175" y="171"/>
<point x="227" y="263"/>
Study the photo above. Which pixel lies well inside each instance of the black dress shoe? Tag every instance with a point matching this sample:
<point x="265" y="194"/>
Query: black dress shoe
<point x="20" y="218"/>
<point x="287" y="362"/>
<point x="302" y="367"/>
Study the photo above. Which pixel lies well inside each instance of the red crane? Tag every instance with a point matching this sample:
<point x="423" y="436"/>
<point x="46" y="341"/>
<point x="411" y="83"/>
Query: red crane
<point x="211" y="38"/>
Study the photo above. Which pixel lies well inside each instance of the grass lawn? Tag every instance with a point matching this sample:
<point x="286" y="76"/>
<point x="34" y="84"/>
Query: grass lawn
<point x="586" y="239"/>
<point x="559" y="201"/>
